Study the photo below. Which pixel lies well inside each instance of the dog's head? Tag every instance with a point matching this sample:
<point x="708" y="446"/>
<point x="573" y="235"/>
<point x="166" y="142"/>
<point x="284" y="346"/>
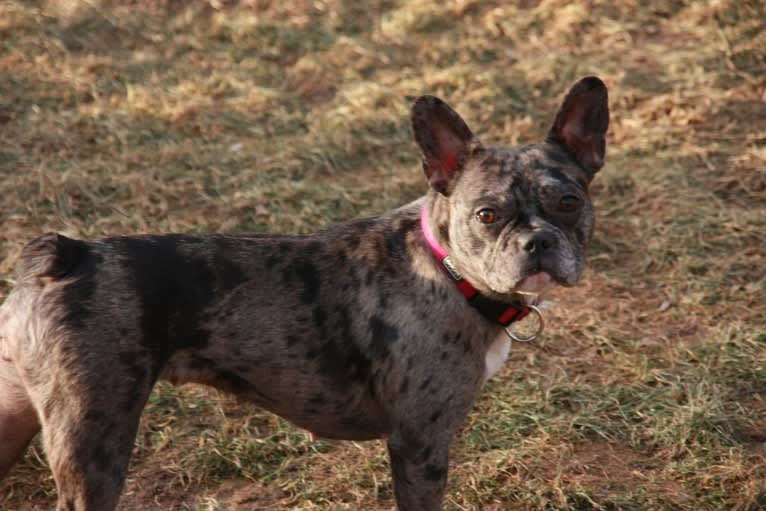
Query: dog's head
<point x="515" y="219"/>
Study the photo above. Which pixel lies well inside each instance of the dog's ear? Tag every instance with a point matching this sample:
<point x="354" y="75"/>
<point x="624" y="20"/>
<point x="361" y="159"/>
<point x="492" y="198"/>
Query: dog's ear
<point x="445" y="140"/>
<point x="582" y="121"/>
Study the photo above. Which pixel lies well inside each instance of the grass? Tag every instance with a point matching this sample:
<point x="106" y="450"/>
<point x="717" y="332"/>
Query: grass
<point x="648" y="390"/>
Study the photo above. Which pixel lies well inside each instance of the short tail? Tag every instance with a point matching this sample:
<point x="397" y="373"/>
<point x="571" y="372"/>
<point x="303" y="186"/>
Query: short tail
<point x="50" y="255"/>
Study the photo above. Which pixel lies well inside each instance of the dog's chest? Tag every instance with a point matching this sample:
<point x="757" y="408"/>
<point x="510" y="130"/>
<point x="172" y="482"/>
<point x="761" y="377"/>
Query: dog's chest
<point x="496" y="355"/>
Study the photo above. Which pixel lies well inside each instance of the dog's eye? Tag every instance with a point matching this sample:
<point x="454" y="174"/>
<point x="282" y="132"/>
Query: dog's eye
<point x="569" y="204"/>
<point x="486" y="216"/>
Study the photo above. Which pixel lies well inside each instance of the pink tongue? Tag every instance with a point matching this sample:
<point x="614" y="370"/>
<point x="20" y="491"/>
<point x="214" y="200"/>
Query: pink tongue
<point x="535" y="282"/>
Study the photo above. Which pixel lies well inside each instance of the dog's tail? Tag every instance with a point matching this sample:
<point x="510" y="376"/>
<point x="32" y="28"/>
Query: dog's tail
<point x="51" y="255"/>
<point x="47" y="258"/>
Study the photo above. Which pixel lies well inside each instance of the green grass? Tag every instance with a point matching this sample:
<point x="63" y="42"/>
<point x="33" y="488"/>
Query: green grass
<point x="648" y="390"/>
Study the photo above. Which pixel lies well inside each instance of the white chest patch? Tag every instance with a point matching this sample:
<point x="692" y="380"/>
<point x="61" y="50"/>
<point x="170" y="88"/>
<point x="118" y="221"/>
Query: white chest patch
<point x="496" y="355"/>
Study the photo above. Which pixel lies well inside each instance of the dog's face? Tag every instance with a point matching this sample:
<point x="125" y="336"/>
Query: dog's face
<point x="516" y="220"/>
<point x="523" y="218"/>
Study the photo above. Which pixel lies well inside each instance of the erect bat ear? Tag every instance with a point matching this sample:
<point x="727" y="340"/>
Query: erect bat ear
<point x="582" y="121"/>
<point x="444" y="139"/>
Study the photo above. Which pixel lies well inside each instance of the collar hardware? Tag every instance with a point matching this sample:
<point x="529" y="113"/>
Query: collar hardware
<point x="528" y="338"/>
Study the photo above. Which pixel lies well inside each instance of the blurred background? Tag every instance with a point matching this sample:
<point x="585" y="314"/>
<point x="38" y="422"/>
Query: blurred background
<point x="648" y="390"/>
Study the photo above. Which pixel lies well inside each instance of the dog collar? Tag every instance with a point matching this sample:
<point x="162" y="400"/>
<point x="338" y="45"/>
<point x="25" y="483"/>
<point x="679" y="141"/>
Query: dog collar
<point x="493" y="310"/>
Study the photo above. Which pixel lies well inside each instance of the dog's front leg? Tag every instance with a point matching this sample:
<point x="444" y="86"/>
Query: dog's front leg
<point x="419" y="462"/>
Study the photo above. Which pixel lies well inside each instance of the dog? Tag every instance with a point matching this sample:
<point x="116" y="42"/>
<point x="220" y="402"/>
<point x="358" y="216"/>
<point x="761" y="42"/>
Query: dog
<point x="376" y="328"/>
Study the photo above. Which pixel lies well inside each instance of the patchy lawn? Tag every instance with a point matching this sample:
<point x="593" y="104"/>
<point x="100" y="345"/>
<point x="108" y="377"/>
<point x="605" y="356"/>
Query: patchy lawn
<point x="648" y="390"/>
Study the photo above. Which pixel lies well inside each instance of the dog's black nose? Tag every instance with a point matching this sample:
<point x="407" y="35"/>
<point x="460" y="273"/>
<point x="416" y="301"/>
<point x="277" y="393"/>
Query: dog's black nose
<point x="537" y="242"/>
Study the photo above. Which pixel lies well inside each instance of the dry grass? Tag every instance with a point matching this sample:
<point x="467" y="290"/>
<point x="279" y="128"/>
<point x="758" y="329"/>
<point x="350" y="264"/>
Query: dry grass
<point x="649" y="388"/>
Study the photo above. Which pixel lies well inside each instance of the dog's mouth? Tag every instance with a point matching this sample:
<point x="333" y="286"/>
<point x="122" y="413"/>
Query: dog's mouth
<point x="536" y="284"/>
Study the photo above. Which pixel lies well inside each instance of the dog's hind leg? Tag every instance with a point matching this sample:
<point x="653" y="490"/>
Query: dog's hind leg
<point x="90" y="410"/>
<point x="18" y="420"/>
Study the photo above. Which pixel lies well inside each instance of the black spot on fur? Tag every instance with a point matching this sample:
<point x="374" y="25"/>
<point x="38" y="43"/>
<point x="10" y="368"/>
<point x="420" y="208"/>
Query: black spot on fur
<point x="425" y="383"/>
<point x="101" y="460"/>
<point x="435" y="416"/>
<point x="95" y="416"/>
<point x="559" y="175"/>
<point x="339" y="355"/>
<point x="394" y="242"/>
<point x="287" y="275"/>
<point x="232" y="382"/>
<point x="352" y="240"/>
<point x="444" y="232"/>
<point x="360" y="227"/>
<point x="318" y="400"/>
<point x="76" y="296"/>
<point x="272" y="260"/>
<point x="228" y="275"/>
<point x="424" y="455"/>
<point x="434" y="473"/>
<point x="135" y="387"/>
<point x="198" y="363"/>
<point x="492" y="159"/>
<point x="389" y="270"/>
<point x="382" y="300"/>
<point x="319" y="316"/>
<point x="405" y="385"/>
<point x="309" y="276"/>
<point x="175" y="279"/>
<point x="353" y="277"/>
<point x="382" y="336"/>
<point x="407" y="225"/>
<point x="560" y="156"/>
<point x="291" y="341"/>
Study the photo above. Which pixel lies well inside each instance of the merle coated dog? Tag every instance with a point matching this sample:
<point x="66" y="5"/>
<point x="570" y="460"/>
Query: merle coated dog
<point x="383" y="327"/>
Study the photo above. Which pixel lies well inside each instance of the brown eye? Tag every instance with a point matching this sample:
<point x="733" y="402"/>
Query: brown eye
<point x="486" y="216"/>
<point x="569" y="204"/>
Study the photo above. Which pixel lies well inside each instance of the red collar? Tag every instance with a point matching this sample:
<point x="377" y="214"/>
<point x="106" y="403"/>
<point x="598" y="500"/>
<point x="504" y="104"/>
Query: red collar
<point x="493" y="310"/>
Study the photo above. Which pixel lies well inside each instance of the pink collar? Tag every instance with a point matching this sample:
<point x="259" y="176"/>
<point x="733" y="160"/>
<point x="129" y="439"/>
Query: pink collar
<point x="493" y="310"/>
